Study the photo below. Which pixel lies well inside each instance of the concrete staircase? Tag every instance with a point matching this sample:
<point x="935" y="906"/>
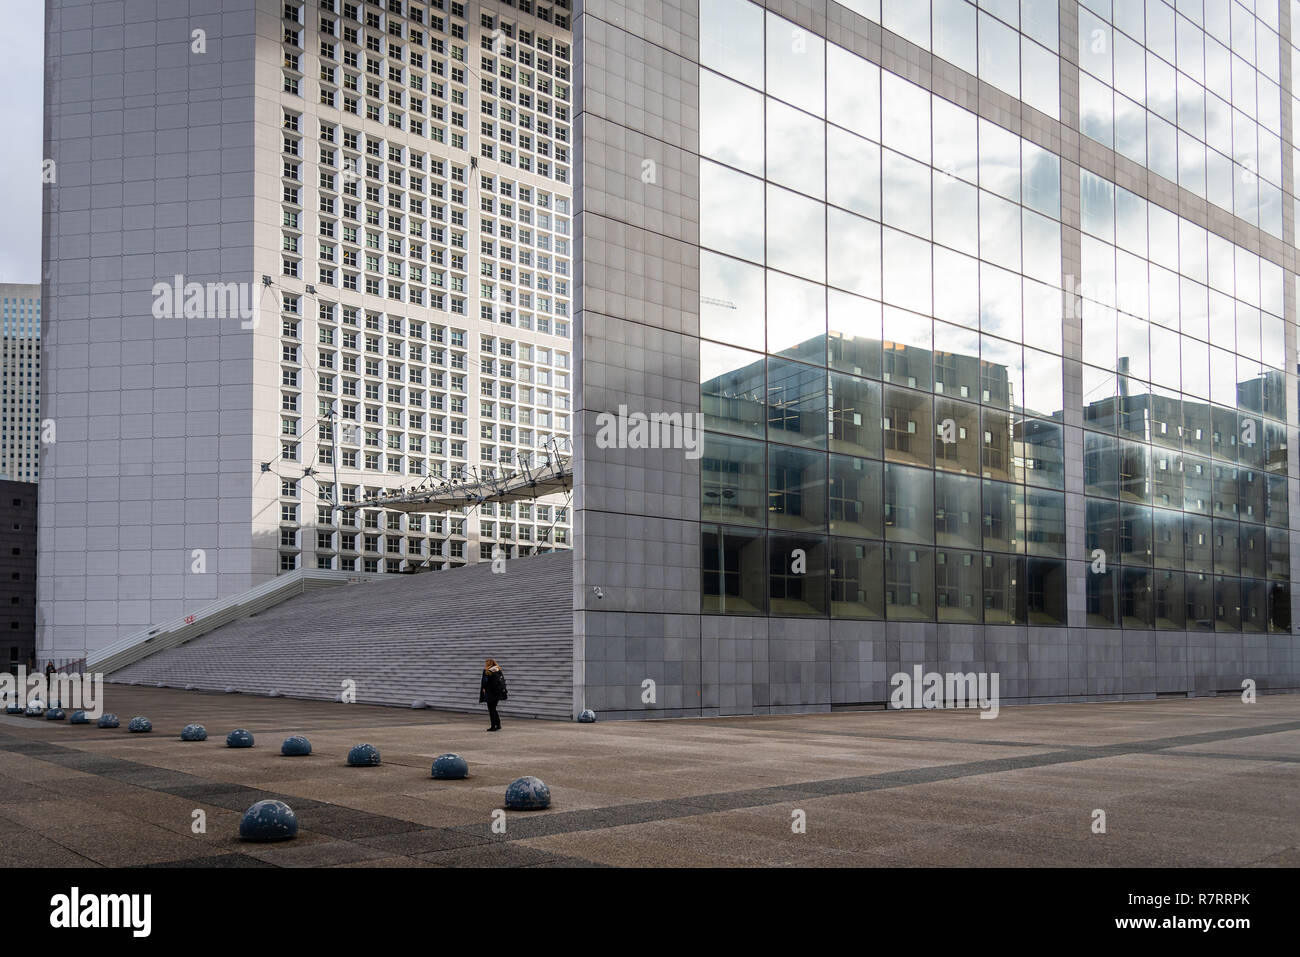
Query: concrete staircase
<point x="400" y="639"/>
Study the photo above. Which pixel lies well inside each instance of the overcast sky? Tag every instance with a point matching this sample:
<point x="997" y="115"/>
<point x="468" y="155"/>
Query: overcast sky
<point x="22" y="75"/>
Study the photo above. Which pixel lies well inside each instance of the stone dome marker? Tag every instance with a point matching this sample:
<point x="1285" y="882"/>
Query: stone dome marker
<point x="230" y="689"/>
<point x="295" y="747"/>
<point x="78" y="717"/>
<point x="55" y="714"/>
<point x="108" y="721"/>
<point x="363" y="756"/>
<point x="194" y="732"/>
<point x="239" y="738"/>
<point x="418" y="703"/>
<point x="528" y="794"/>
<point x="140" y="725"/>
<point x="450" y="767"/>
<point x="587" y="717"/>
<point x="269" y="821"/>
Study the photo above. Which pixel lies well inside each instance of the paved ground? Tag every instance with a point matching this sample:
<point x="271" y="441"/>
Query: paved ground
<point x="1198" y="782"/>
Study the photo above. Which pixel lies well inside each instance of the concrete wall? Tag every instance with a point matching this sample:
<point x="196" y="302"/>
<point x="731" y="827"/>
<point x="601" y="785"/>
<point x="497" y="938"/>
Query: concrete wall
<point x="152" y="143"/>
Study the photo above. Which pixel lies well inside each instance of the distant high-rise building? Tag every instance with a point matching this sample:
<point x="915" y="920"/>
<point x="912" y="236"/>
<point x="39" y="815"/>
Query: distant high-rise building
<point x="324" y="251"/>
<point x="20" y="382"/>
<point x="17" y="574"/>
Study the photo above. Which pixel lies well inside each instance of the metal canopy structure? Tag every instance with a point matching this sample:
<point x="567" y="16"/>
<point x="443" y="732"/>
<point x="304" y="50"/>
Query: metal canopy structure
<point x="535" y="474"/>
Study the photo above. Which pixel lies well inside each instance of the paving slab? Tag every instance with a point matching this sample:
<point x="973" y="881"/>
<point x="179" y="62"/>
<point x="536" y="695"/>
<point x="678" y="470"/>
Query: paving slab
<point x="1184" y="782"/>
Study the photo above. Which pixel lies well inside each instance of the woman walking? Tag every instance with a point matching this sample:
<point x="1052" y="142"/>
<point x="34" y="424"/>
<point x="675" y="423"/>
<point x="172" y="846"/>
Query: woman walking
<point x="492" y="688"/>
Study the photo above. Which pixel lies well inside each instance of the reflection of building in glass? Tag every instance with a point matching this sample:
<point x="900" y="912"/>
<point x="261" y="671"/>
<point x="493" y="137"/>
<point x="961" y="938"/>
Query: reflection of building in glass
<point x="843" y="455"/>
<point x="918" y="448"/>
<point x="1189" y="502"/>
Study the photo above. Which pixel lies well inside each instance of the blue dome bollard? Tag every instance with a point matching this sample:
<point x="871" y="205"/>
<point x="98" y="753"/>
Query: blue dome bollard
<point x="587" y="717"/>
<point x="13" y="709"/>
<point x="363" y="756"/>
<point x="140" y="725"/>
<point x="33" y="711"/>
<point x="528" y="794"/>
<point x="450" y="767"/>
<point x="239" y="738"/>
<point x="55" y="714"/>
<point x="269" y="821"/>
<point x="295" y="747"/>
<point x="108" y="721"/>
<point x="78" y="717"/>
<point x="194" y="732"/>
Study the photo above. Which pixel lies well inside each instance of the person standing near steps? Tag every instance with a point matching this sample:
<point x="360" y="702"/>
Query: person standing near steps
<point x="492" y="688"/>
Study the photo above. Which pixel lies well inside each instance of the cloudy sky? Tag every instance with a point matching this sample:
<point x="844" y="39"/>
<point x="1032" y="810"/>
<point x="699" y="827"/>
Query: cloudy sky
<point x="21" y="79"/>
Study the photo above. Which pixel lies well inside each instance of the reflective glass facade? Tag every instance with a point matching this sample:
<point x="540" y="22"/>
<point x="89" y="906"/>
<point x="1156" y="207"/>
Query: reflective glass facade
<point x="1190" y="91"/>
<point x="1184" y="405"/>
<point x="982" y="386"/>
<point x="881" y="371"/>
<point x="881" y="320"/>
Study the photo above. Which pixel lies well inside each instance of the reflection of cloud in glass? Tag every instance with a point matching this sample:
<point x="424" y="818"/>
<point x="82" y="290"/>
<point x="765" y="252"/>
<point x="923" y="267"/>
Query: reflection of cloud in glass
<point x="1042" y="179"/>
<point x="999" y="231"/>
<point x="852" y="92"/>
<point x="731" y="301"/>
<point x="796" y="317"/>
<point x="854" y="253"/>
<point x="853" y="172"/>
<point x="1043" y="391"/>
<point x="731" y="123"/>
<point x="796" y="234"/>
<point x="905" y="117"/>
<point x="795" y="149"/>
<point x="1000" y="307"/>
<point x="906" y="267"/>
<point x="956" y="288"/>
<point x="956" y="150"/>
<point x="796" y="65"/>
<point x="731" y="39"/>
<point x="999" y="161"/>
<point x="731" y="211"/>
<point x="907" y="200"/>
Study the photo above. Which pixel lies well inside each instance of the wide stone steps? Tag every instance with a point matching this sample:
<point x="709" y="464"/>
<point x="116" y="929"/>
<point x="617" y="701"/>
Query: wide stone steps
<point x="420" y="637"/>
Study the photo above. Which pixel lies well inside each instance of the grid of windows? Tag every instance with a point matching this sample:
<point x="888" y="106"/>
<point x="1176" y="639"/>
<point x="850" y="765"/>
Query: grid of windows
<point x="20" y="392"/>
<point x="1011" y="44"/>
<point x="881" y="375"/>
<point x="1184" y="402"/>
<point x="415" y="351"/>
<point x="1192" y="93"/>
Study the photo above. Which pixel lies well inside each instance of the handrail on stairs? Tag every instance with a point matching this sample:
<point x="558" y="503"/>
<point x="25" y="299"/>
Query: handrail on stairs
<point x="141" y="644"/>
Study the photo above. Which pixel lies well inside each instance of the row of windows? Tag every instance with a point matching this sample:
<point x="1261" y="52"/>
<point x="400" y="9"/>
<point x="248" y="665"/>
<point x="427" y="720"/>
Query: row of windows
<point x="747" y="572"/>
